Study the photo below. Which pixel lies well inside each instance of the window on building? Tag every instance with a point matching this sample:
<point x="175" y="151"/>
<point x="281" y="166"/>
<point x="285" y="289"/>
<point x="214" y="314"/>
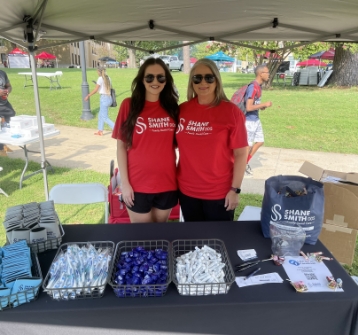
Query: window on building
<point x="73" y="58"/>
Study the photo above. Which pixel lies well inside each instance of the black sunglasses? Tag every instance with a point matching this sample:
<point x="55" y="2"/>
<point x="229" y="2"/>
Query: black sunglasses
<point x="149" y="78"/>
<point x="198" y="78"/>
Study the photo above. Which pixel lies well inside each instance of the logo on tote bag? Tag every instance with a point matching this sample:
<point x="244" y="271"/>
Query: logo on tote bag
<point x="291" y="215"/>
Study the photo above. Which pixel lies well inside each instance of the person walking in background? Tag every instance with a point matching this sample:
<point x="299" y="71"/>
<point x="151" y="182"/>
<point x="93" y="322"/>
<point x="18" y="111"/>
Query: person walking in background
<point x="6" y="110"/>
<point x="212" y="143"/>
<point x="145" y="129"/>
<point x="253" y="104"/>
<point x="103" y="85"/>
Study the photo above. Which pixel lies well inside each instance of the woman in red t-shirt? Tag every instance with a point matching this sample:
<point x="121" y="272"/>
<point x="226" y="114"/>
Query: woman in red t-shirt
<point x="212" y="144"/>
<point x="145" y="130"/>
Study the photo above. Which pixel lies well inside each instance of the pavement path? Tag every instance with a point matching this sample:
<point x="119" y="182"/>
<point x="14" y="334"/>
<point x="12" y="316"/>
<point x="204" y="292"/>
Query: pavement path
<point x="79" y="148"/>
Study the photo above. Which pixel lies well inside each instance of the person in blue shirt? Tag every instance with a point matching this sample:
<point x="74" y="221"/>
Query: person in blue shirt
<point x="255" y="135"/>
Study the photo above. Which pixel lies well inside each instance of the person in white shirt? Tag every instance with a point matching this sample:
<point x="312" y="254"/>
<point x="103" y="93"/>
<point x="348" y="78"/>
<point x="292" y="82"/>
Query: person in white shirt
<point x="103" y="86"/>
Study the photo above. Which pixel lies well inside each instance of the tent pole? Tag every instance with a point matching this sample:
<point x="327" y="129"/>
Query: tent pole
<point x="86" y="111"/>
<point x="39" y="120"/>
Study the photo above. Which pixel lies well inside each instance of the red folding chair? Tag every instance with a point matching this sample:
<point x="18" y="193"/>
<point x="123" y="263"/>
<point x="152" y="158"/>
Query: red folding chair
<point x="117" y="209"/>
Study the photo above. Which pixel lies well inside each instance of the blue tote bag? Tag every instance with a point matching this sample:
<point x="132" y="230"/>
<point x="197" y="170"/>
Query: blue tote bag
<point x="281" y="203"/>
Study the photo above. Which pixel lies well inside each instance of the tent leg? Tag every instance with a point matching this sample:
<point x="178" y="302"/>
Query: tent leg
<point x="39" y="121"/>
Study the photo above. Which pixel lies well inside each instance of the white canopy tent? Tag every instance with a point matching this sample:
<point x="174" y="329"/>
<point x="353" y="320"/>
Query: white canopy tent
<point x="232" y="21"/>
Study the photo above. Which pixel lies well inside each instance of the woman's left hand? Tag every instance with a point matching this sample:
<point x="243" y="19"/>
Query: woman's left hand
<point x="231" y="201"/>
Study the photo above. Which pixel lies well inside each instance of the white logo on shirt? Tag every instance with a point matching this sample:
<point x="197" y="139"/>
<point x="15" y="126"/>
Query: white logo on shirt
<point x="142" y="126"/>
<point x="180" y="125"/>
<point x="198" y="128"/>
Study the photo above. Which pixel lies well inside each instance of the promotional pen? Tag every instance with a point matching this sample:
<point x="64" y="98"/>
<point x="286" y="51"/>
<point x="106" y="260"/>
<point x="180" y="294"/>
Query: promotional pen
<point x="252" y="273"/>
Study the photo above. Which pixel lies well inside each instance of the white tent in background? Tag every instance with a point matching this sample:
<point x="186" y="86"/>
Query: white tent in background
<point x="18" y="59"/>
<point x="227" y="21"/>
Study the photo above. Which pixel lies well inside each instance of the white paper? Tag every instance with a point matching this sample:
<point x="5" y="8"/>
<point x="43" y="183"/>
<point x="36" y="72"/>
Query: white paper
<point x="311" y="272"/>
<point x="267" y="278"/>
<point x="247" y="254"/>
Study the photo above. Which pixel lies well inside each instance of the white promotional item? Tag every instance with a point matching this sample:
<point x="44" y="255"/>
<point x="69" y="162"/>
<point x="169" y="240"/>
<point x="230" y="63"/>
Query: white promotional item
<point x="20" y="234"/>
<point x="38" y="235"/>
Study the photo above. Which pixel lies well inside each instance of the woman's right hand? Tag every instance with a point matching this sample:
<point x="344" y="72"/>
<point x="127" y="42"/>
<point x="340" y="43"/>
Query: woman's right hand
<point x="127" y="194"/>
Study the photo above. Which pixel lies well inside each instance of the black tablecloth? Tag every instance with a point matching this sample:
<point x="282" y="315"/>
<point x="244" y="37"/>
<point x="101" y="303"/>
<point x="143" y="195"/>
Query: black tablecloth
<point x="264" y="309"/>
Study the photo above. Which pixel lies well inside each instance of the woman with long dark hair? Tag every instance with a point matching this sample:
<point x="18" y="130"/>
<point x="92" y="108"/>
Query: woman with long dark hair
<point x="145" y="129"/>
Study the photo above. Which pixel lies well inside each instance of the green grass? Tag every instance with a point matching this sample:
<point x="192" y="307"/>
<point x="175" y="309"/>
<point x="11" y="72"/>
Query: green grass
<point x="308" y="118"/>
<point x="33" y="190"/>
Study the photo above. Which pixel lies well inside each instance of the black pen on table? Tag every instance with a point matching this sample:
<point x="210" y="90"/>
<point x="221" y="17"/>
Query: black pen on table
<point x="252" y="273"/>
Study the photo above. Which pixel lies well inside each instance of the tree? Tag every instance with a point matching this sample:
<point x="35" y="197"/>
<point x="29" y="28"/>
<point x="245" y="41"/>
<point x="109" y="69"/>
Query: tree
<point x="203" y="49"/>
<point x="186" y="58"/>
<point x="135" y="55"/>
<point x="345" y="65"/>
<point x="258" y="56"/>
<point x="285" y="48"/>
<point x="304" y="52"/>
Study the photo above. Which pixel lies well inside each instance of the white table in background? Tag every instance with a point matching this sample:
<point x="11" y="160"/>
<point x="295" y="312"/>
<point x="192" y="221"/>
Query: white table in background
<point x="53" y="77"/>
<point x="22" y="142"/>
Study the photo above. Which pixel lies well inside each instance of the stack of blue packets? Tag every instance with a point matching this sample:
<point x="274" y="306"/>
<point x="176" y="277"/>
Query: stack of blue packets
<point x="17" y="285"/>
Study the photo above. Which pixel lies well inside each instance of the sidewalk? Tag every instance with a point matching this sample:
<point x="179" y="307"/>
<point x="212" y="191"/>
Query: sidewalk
<point x="79" y="148"/>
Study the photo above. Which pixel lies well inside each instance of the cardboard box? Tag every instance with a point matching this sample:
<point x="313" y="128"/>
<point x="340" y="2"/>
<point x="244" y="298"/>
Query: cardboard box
<point x="30" y="132"/>
<point x="48" y="128"/>
<point x="340" y="223"/>
<point x="29" y="118"/>
<point x="19" y="124"/>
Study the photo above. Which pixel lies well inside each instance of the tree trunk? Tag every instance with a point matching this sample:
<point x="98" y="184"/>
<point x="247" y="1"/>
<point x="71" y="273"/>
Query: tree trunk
<point x="186" y="58"/>
<point x="345" y="68"/>
<point x="273" y="67"/>
<point x="132" y="58"/>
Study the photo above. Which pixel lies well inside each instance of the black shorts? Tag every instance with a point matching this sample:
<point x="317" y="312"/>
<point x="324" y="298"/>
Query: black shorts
<point x="144" y="202"/>
<point x="194" y="209"/>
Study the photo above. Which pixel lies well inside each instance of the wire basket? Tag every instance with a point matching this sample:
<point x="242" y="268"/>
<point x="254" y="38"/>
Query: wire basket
<point x="141" y="290"/>
<point x="85" y="292"/>
<point x="180" y="247"/>
<point x="14" y="300"/>
<point x="52" y="243"/>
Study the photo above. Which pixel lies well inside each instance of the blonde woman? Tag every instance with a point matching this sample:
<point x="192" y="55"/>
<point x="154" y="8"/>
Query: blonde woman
<point x="212" y="142"/>
<point x="103" y="86"/>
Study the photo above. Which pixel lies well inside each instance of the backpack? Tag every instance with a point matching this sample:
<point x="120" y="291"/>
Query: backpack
<point x="239" y="97"/>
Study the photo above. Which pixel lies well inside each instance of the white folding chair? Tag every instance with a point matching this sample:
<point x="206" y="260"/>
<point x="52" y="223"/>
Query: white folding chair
<point x="80" y="194"/>
<point x="181" y="216"/>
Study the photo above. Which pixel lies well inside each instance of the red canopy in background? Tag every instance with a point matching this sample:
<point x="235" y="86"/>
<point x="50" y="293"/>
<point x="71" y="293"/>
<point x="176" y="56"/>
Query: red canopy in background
<point x="268" y="54"/>
<point x="193" y="60"/>
<point x="311" y="62"/>
<point x="17" y="51"/>
<point x="329" y="54"/>
<point x="45" y="55"/>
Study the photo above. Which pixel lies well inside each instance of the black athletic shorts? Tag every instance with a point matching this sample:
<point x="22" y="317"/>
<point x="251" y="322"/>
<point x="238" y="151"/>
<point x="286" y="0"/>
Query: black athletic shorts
<point x="143" y="202"/>
<point x="194" y="209"/>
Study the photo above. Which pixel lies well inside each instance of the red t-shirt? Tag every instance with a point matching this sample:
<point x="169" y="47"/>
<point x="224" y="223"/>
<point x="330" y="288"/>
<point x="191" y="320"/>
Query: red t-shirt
<point x="206" y="138"/>
<point x="151" y="159"/>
